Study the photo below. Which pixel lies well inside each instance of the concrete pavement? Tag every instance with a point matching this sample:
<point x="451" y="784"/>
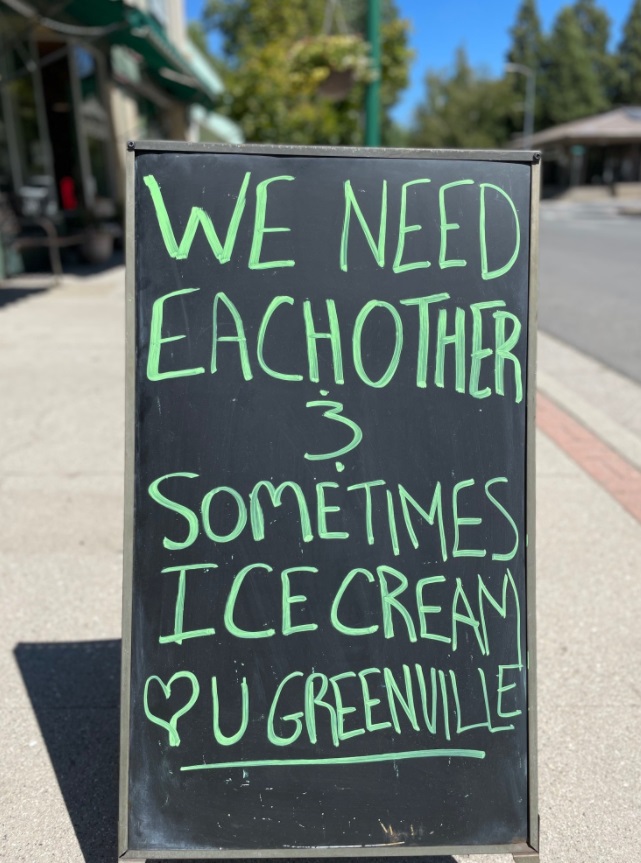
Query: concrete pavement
<point x="61" y="462"/>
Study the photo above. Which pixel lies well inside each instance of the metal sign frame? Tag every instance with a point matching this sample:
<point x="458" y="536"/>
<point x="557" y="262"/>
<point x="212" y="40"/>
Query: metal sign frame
<point x="525" y="851"/>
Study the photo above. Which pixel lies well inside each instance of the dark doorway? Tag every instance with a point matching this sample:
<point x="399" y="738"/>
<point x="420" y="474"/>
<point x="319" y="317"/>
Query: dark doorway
<point x="56" y="83"/>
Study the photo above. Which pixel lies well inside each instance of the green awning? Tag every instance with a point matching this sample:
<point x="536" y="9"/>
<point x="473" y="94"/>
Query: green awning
<point x="214" y="127"/>
<point x="144" y="34"/>
<point x="171" y="70"/>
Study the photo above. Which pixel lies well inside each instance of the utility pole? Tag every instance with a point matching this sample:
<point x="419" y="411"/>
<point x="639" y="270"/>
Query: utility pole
<point x="373" y="93"/>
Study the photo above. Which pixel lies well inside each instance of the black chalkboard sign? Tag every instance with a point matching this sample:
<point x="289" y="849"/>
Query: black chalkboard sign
<point x="329" y="567"/>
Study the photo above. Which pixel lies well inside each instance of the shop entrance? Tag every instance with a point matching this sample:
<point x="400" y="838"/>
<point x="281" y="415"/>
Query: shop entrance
<point x="56" y="85"/>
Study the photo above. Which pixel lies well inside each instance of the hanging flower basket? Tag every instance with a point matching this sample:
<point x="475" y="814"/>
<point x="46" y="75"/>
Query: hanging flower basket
<point x="332" y="65"/>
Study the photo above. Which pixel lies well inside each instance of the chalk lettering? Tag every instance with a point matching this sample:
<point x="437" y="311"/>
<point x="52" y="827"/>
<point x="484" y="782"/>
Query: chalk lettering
<point x="443" y="261"/>
<point x="404" y="229"/>
<point x="377" y="247"/>
<point x="400" y="506"/>
<point x="179" y="634"/>
<point x="260" y="230"/>
<point x="289" y="599"/>
<point x="224" y="739"/>
<point x="157" y="340"/>
<point x="197" y="217"/>
<point x="496" y="353"/>
<point x="171" y="725"/>
<point x="486" y="273"/>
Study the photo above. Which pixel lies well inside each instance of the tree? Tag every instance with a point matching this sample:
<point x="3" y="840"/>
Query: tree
<point x="629" y="59"/>
<point x="527" y="49"/>
<point x="277" y="57"/>
<point x="595" y="25"/>
<point x="464" y="109"/>
<point x="572" y="86"/>
<point x="527" y="38"/>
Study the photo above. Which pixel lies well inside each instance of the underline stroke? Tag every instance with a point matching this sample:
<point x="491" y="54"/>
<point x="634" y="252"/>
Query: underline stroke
<point x="347" y="759"/>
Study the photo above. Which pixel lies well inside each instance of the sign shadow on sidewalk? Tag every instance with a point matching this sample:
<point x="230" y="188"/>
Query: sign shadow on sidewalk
<point x="10" y="295"/>
<point x="74" y="688"/>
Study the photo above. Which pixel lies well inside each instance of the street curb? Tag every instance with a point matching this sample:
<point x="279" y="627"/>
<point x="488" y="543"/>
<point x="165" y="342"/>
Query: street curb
<point x="625" y="442"/>
<point x="615" y="474"/>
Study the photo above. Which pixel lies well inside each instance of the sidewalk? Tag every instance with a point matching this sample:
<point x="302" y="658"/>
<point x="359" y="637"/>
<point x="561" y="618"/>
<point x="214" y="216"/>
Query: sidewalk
<point x="614" y="207"/>
<point x="61" y="461"/>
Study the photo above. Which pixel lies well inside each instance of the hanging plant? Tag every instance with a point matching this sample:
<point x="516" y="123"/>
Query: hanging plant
<point x="331" y="65"/>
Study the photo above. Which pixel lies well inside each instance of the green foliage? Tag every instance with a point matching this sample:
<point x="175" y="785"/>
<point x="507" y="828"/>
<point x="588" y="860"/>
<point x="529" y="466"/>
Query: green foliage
<point x="527" y="38"/>
<point x="575" y="77"/>
<point x="318" y="56"/>
<point x="277" y="57"/>
<point x="527" y="50"/>
<point x="571" y="86"/>
<point x="464" y="109"/>
<point x="595" y="25"/>
<point x="629" y="59"/>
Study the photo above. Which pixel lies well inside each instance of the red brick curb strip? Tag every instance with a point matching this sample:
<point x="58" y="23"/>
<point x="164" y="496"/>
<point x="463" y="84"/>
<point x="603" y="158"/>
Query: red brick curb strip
<point x="613" y="472"/>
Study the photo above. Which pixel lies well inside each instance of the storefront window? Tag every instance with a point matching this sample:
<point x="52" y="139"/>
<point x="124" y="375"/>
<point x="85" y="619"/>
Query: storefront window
<point x="149" y="120"/>
<point x="21" y="88"/>
<point x="5" y="165"/>
<point x="95" y="121"/>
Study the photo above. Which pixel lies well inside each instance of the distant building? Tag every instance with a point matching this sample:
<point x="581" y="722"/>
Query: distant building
<point x="603" y="150"/>
<point x="80" y="78"/>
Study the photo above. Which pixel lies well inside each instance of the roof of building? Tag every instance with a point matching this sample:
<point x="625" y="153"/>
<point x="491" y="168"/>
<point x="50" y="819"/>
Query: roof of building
<point x="619" y="125"/>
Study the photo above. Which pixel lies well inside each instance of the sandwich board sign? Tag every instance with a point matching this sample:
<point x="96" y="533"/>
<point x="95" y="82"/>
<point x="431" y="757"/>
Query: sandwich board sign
<point x="328" y="626"/>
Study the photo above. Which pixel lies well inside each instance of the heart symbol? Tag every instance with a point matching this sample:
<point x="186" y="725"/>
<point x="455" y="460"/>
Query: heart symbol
<point x="170" y="727"/>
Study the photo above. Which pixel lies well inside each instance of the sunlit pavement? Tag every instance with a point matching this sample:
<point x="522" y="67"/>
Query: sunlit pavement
<point x="575" y="210"/>
<point x="61" y="481"/>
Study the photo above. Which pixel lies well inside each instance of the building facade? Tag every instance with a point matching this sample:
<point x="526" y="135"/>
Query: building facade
<point x="598" y="152"/>
<point x="80" y="78"/>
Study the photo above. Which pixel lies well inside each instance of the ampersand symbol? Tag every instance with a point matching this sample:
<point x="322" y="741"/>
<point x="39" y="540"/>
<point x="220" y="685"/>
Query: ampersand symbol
<point x="335" y="412"/>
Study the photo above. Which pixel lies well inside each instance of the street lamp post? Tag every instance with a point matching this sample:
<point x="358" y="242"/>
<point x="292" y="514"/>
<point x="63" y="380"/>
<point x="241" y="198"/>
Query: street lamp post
<point x="530" y="87"/>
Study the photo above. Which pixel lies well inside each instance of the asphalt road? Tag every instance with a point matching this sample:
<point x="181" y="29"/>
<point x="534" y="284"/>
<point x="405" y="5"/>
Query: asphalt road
<point x="590" y="287"/>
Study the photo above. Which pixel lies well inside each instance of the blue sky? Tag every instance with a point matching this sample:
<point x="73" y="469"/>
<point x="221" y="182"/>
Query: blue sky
<point x="482" y="26"/>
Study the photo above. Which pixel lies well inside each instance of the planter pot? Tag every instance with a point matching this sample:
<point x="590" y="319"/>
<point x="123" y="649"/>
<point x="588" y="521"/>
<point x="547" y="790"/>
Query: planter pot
<point x="337" y="85"/>
<point x="97" y="246"/>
